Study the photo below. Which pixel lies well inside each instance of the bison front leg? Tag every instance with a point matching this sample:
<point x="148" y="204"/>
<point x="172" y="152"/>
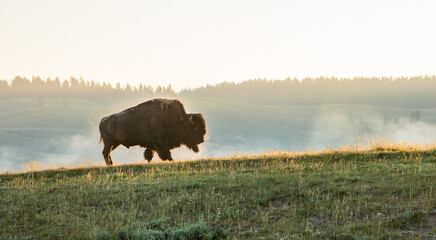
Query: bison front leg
<point x="164" y="154"/>
<point x="148" y="154"/>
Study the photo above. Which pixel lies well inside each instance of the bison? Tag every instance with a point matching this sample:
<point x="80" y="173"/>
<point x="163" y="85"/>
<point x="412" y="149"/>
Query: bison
<point x="158" y="125"/>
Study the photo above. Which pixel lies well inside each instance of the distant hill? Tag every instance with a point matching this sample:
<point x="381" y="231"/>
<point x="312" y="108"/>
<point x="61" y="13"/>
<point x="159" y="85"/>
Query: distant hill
<point x="65" y="131"/>
<point x="413" y="92"/>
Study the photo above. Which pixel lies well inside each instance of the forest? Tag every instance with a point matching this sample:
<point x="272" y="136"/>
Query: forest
<point x="409" y="92"/>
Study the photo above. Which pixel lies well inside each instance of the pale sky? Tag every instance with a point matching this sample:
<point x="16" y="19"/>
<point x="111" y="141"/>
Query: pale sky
<point x="189" y="43"/>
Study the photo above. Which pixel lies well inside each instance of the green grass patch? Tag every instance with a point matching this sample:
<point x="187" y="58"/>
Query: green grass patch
<point x="197" y="231"/>
<point x="332" y="195"/>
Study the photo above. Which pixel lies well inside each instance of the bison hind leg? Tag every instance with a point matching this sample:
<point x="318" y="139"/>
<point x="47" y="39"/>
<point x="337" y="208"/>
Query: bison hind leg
<point x="164" y="154"/>
<point x="148" y="154"/>
<point x="106" y="154"/>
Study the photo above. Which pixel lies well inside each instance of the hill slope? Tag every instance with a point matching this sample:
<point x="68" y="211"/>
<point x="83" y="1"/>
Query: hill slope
<point x="331" y="195"/>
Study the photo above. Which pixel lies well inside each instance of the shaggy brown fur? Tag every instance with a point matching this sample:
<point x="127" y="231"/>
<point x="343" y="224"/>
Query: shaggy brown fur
<point x="157" y="125"/>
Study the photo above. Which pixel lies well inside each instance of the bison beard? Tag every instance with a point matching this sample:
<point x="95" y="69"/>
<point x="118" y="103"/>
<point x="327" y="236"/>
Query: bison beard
<point x="158" y="125"/>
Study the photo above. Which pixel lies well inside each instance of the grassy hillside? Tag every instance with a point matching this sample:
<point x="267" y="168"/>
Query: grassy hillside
<point x="382" y="194"/>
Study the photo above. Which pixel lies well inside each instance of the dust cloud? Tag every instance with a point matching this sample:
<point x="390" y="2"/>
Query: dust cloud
<point x="335" y="127"/>
<point x="6" y="154"/>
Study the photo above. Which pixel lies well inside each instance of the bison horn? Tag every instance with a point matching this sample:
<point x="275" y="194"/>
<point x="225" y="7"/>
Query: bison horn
<point x="191" y="120"/>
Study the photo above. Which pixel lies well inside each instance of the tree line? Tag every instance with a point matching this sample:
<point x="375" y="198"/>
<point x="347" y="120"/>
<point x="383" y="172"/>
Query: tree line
<point x="417" y="91"/>
<point x="21" y="87"/>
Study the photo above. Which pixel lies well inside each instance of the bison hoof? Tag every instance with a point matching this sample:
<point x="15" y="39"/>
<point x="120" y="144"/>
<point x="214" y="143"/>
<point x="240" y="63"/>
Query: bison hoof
<point x="195" y="149"/>
<point x="148" y="155"/>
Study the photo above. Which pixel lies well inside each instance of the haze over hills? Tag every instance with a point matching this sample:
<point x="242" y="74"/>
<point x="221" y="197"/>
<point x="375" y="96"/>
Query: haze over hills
<point x="64" y="132"/>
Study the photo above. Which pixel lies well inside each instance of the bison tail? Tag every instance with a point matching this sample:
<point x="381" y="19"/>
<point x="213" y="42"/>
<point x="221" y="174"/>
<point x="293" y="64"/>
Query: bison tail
<point x="100" y="126"/>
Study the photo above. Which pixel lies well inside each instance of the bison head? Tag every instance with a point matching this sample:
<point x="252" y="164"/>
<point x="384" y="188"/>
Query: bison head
<point x="196" y="131"/>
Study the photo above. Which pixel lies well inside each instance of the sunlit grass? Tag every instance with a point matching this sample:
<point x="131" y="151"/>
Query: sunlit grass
<point x="38" y="166"/>
<point x="369" y="145"/>
<point x="378" y="190"/>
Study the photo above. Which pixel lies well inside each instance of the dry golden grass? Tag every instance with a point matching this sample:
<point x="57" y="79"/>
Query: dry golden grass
<point x="379" y="144"/>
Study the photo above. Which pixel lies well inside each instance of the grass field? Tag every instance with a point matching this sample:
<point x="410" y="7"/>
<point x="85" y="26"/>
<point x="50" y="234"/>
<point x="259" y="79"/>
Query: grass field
<point x="380" y="193"/>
